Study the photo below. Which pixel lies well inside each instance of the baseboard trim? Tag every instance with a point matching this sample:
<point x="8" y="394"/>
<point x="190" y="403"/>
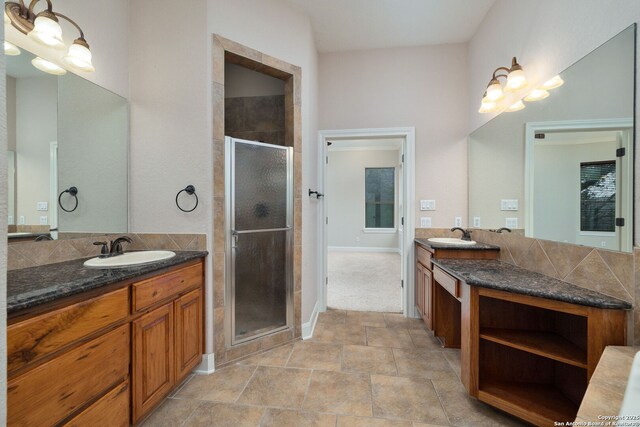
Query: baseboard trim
<point x="207" y="366"/>
<point x="363" y="249"/>
<point x="308" y="328"/>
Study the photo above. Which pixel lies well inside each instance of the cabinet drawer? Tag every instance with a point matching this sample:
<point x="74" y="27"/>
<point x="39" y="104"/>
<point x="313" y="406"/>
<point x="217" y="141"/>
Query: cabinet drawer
<point x="54" y="390"/>
<point x="160" y="288"/>
<point x="32" y="339"/>
<point x="451" y="284"/>
<point x="423" y="256"/>
<point x="111" y="410"/>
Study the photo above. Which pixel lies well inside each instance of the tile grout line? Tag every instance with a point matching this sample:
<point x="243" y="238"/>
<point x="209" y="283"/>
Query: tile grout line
<point x="442" y="406"/>
<point x="245" y="386"/>
<point x="306" y="392"/>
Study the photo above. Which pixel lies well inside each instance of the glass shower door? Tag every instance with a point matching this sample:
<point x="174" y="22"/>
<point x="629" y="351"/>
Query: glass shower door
<point x="259" y="238"/>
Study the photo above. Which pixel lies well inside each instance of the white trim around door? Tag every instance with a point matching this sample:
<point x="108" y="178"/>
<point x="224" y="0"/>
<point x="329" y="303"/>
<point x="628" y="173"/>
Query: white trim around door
<point x="408" y="194"/>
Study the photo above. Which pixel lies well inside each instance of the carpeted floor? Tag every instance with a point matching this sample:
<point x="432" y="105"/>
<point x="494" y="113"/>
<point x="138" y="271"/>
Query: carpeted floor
<point x="364" y="281"/>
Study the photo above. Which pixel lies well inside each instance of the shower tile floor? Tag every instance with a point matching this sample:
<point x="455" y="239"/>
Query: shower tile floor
<point x="363" y="369"/>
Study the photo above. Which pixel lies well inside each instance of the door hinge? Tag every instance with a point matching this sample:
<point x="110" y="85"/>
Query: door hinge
<point x="402" y="283"/>
<point x="326" y="280"/>
<point x="539" y="136"/>
<point x="403" y="158"/>
<point x="327" y="159"/>
<point x="402" y="221"/>
<point x="327" y="221"/>
<point x="621" y="152"/>
<point x="619" y="222"/>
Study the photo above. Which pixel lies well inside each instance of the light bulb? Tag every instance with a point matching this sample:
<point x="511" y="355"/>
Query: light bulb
<point x="48" y="67"/>
<point x="494" y="91"/>
<point x="536" y="95"/>
<point x="516" y="80"/>
<point x="488" y="107"/>
<point x="11" y="49"/>
<point x="516" y="107"/>
<point x="47" y="31"/>
<point x="79" y="56"/>
<point x="553" y="83"/>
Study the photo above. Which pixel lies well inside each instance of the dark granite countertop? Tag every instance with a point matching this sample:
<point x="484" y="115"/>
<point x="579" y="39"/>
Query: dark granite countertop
<point x="477" y="247"/>
<point x="29" y="287"/>
<point x="506" y="277"/>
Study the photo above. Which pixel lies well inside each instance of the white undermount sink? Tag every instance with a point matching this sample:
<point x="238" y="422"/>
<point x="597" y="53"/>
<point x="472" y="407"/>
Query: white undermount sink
<point x="452" y="241"/>
<point x="129" y="259"/>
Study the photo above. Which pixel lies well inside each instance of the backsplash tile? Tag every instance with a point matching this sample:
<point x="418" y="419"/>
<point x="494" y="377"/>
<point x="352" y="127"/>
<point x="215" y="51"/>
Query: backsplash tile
<point x="31" y="254"/>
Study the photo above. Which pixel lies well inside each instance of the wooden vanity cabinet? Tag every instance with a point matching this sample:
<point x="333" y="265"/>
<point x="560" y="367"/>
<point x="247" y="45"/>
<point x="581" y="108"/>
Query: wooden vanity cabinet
<point x="109" y="358"/>
<point x="426" y="292"/>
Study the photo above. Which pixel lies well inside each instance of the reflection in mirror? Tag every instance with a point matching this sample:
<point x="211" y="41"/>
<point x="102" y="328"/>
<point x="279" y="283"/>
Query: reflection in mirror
<point x="63" y="132"/>
<point x="562" y="168"/>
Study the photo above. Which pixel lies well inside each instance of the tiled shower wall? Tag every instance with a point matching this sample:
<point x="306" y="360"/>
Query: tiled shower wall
<point x="256" y="118"/>
<point x="616" y="274"/>
<point x="31" y="254"/>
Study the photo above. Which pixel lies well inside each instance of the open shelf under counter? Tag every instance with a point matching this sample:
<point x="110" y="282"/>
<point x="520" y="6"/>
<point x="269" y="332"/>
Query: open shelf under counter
<point x="540" y="404"/>
<point x="542" y="343"/>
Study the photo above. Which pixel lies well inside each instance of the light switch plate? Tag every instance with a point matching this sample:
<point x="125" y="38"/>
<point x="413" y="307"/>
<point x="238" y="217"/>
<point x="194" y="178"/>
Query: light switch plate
<point x="425" y="222"/>
<point x="22" y="220"/>
<point x="476" y="221"/>
<point x="427" y="205"/>
<point x="42" y="206"/>
<point x="509" y="204"/>
<point x="511" y="222"/>
<point x="10" y="220"/>
<point x="44" y="220"/>
<point x="457" y="221"/>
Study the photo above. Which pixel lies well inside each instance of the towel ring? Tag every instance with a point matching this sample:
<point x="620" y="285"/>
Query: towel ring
<point x="73" y="191"/>
<point x="190" y="190"/>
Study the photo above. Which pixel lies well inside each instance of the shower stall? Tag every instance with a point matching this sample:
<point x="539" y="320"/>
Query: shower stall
<point x="259" y="239"/>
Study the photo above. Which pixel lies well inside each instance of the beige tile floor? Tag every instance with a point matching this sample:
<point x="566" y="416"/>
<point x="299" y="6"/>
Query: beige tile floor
<point x="360" y="369"/>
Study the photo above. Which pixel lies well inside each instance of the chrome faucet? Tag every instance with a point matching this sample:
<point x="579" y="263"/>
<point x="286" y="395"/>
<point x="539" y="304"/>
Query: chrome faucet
<point x="466" y="234"/>
<point x="500" y="230"/>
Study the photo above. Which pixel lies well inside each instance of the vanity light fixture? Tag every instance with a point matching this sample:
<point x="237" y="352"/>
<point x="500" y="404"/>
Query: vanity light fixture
<point x="552" y="83"/>
<point x="536" y="95"/>
<point x="516" y="107"/>
<point x="515" y="80"/>
<point x="11" y="49"/>
<point x="44" y="27"/>
<point x="48" y="67"/>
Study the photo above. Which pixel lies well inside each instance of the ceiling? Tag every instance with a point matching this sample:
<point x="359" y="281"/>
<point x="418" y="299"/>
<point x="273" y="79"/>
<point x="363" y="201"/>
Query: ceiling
<point x="342" y="25"/>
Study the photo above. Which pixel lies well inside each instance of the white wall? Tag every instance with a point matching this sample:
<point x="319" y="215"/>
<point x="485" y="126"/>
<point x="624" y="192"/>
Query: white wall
<point x="36" y="97"/>
<point x="346" y="190"/>
<point x="93" y="150"/>
<point x="240" y="82"/>
<point x="106" y="28"/>
<point x="557" y="192"/>
<point x="424" y="87"/>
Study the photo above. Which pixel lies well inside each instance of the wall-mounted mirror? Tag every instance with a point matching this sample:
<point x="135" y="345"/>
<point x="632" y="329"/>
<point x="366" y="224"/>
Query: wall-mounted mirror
<point x="562" y="168"/>
<point x="64" y="132"/>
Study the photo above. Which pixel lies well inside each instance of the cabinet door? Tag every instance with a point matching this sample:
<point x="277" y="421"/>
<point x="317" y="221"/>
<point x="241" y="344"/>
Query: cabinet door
<point x="419" y="289"/>
<point x="153" y="359"/>
<point x="188" y="332"/>
<point x="428" y="297"/>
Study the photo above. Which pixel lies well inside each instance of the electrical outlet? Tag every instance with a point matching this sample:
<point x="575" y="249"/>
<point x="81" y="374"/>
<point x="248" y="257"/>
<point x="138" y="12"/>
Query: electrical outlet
<point x="10" y="220"/>
<point x="457" y="221"/>
<point x="44" y="220"/>
<point x="42" y="206"/>
<point x="511" y="222"/>
<point x="476" y="221"/>
<point x="22" y="220"/>
<point x="425" y="222"/>
<point x="509" y="205"/>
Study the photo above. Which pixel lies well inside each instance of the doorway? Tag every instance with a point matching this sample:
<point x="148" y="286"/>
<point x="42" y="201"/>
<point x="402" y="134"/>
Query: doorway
<point x="365" y="238"/>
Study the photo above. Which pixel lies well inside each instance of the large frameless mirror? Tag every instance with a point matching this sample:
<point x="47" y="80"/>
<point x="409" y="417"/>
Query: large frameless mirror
<point x="562" y="168"/>
<point x="68" y="155"/>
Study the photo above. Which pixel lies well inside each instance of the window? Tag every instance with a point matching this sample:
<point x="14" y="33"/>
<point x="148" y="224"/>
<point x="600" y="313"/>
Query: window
<point x="598" y="196"/>
<point x="380" y="189"/>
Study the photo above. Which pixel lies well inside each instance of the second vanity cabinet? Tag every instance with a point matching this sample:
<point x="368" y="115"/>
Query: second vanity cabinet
<point x="106" y="357"/>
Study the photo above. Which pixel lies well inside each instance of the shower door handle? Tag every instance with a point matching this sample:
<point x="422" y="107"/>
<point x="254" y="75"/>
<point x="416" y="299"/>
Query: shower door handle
<point x="234" y="239"/>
